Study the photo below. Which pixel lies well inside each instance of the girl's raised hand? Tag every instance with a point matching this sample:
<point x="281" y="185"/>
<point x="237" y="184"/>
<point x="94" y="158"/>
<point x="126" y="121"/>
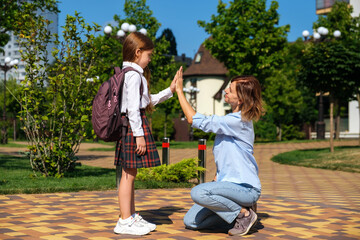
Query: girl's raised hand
<point x="173" y="83"/>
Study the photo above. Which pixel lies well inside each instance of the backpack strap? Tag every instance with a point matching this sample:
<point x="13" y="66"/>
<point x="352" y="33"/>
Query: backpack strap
<point x="117" y="70"/>
<point x="127" y="69"/>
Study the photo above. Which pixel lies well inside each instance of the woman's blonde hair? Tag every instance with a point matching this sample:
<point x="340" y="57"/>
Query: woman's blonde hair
<point x="133" y="42"/>
<point x="248" y="90"/>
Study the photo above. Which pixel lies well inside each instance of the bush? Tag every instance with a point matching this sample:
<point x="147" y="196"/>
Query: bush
<point x="265" y="130"/>
<point x="290" y="132"/>
<point x="199" y="134"/>
<point x="182" y="171"/>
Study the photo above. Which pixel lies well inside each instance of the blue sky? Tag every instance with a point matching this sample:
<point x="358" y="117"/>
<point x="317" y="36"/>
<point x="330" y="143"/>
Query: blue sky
<point x="182" y="16"/>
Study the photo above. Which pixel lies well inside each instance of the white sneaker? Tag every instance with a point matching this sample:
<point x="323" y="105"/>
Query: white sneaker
<point x="139" y="218"/>
<point x="132" y="227"/>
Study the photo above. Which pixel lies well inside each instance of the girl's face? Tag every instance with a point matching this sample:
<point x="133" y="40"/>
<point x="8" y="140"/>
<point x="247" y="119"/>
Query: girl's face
<point x="231" y="97"/>
<point x="143" y="57"/>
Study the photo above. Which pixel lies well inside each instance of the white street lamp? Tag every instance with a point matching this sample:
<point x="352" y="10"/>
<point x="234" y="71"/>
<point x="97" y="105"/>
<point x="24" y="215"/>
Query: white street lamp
<point x="120" y="33"/>
<point x="325" y="31"/>
<point x="132" y="28"/>
<point x="107" y="29"/>
<point x="125" y="27"/>
<point x="143" y="31"/>
<point x="317" y="35"/>
<point x="337" y="33"/>
<point x="7" y="60"/>
<point x="305" y="33"/>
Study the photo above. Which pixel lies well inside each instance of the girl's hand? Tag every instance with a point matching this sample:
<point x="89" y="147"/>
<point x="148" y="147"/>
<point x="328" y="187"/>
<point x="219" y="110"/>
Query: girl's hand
<point x="179" y="80"/>
<point x="140" y="145"/>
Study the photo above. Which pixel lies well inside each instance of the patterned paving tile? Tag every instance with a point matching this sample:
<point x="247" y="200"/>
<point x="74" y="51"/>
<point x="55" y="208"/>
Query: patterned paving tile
<point x="296" y="203"/>
<point x="92" y="215"/>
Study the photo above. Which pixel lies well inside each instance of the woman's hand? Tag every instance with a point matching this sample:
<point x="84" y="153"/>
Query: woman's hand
<point x="140" y="145"/>
<point x="179" y="80"/>
<point x="173" y="84"/>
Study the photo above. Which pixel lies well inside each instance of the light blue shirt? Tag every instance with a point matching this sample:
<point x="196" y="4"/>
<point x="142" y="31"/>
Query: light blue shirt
<point x="233" y="147"/>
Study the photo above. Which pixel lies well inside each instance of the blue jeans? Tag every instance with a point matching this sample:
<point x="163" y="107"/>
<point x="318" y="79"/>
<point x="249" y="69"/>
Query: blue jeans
<point x="218" y="203"/>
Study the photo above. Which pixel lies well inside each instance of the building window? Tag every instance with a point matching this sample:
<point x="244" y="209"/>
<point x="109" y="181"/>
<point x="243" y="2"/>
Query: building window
<point x="323" y="4"/>
<point x="198" y="57"/>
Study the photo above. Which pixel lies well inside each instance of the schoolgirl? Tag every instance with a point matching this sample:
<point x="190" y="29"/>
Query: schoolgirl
<point x="140" y="149"/>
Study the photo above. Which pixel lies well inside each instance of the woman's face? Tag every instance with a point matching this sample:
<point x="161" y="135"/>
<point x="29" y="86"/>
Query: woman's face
<point x="231" y="96"/>
<point x="143" y="57"/>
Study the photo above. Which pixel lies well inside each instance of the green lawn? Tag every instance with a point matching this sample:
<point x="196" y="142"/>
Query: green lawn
<point x="345" y="158"/>
<point x="17" y="177"/>
<point x="13" y="145"/>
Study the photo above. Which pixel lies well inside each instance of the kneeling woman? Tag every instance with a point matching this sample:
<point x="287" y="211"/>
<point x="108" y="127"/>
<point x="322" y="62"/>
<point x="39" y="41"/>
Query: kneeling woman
<point x="236" y="187"/>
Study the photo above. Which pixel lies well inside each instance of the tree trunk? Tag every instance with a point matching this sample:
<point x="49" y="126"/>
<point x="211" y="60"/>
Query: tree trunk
<point x="358" y="98"/>
<point x="279" y="132"/>
<point x="337" y="124"/>
<point x="14" y="124"/>
<point x="331" y="124"/>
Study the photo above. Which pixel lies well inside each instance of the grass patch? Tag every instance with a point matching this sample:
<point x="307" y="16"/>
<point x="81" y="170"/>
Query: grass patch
<point x="346" y="158"/>
<point x="13" y="145"/>
<point x="301" y="141"/>
<point x="17" y="177"/>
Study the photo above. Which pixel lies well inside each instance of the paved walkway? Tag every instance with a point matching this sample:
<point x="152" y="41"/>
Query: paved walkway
<point x="296" y="203"/>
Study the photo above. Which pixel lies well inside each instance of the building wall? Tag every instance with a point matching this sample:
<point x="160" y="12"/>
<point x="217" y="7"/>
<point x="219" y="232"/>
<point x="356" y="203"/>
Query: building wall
<point x="209" y="86"/>
<point x="356" y="6"/>
<point x="354" y="120"/>
<point x="354" y="117"/>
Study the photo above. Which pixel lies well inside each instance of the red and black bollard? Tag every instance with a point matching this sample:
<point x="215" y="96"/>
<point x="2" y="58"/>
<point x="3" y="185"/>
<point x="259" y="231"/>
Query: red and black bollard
<point x="165" y="151"/>
<point x="202" y="158"/>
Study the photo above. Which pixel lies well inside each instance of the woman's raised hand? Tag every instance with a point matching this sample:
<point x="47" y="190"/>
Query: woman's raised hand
<point x="179" y="80"/>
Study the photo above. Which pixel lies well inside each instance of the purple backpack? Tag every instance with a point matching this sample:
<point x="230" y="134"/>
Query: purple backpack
<point x="108" y="123"/>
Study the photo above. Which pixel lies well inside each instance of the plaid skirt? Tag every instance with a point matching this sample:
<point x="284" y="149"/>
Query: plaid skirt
<point x="128" y="158"/>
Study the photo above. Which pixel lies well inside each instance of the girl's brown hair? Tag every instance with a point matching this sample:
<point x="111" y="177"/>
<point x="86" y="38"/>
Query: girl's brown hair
<point x="248" y="90"/>
<point x="133" y="42"/>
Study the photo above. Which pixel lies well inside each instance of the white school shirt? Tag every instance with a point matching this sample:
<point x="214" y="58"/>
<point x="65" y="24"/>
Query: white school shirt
<point x="233" y="147"/>
<point x="131" y="97"/>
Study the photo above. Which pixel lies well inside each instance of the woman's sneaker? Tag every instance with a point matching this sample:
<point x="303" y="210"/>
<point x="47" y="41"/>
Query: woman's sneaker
<point x="139" y="218"/>
<point x="131" y="226"/>
<point x="243" y="224"/>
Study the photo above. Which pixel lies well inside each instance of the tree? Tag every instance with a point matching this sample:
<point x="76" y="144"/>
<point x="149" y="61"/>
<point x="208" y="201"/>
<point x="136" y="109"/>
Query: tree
<point x="334" y="68"/>
<point x="12" y="10"/>
<point x="169" y="36"/>
<point x="283" y="99"/>
<point x="289" y="103"/>
<point x="244" y="36"/>
<point x="56" y="100"/>
<point x="334" y="65"/>
<point x="340" y="19"/>
<point x="12" y="104"/>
